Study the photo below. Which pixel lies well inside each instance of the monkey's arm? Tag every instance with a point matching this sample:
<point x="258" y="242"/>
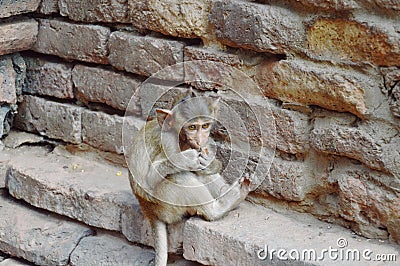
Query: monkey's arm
<point x="214" y="167"/>
<point x="188" y="160"/>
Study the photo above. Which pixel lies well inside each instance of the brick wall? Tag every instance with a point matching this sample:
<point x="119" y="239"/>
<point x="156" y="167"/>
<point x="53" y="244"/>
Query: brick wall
<point x="330" y="71"/>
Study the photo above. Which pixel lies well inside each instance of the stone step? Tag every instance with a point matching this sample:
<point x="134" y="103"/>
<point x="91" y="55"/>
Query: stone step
<point x="82" y="188"/>
<point x="99" y="194"/>
<point x="44" y="238"/>
<point x="41" y="238"/>
<point x="255" y="235"/>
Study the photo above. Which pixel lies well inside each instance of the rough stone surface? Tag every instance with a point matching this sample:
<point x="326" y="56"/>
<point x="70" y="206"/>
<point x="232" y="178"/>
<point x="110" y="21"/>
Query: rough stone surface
<point x="204" y="74"/>
<point x="10" y="8"/>
<point x="4" y="124"/>
<point x="92" y="192"/>
<point x="17" y="35"/>
<point x="200" y="53"/>
<point x="254" y="26"/>
<point x="288" y="180"/>
<point x="236" y="239"/>
<point x="154" y="96"/>
<point x="4" y="166"/>
<point x="143" y="55"/>
<point x="392" y="88"/>
<point x="311" y="84"/>
<point x="350" y="142"/>
<point x="13" y="262"/>
<point x="105" y="86"/>
<point x="326" y="5"/>
<point x="342" y="40"/>
<point x="73" y="41"/>
<point x="377" y="5"/>
<point x="105" y="131"/>
<point x="292" y="131"/>
<point x="109" y="250"/>
<point x="36" y="236"/>
<point x="374" y="209"/>
<point x="95" y="11"/>
<point x="64" y="122"/>
<point x="48" y="78"/>
<point x="8" y="93"/>
<point x="373" y="143"/>
<point x="182" y="18"/>
<point x="48" y="7"/>
<point x="15" y="139"/>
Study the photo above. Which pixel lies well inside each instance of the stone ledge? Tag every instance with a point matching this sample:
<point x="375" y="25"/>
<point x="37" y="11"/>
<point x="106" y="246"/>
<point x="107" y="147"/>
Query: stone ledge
<point x="35" y="236"/>
<point x="94" y="192"/>
<point x="236" y="239"/>
<point x="84" y="189"/>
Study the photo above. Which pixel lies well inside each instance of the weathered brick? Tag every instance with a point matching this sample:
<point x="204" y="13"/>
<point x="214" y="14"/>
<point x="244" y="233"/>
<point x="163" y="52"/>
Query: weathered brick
<point x="4" y="166"/>
<point x="200" y="53"/>
<point x="5" y="111"/>
<point x="283" y="129"/>
<point x="373" y="208"/>
<point x="392" y="88"/>
<point x="182" y="18"/>
<point x="48" y="78"/>
<point x="143" y="55"/>
<point x="35" y="236"/>
<point x="8" y="93"/>
<point x="17" y="35"/>
<point x="104" y="131"/>
<point x="10" y="8"/>
<point x="95" y="11"/>
<point x="105" y="86"/>
<point x="343" y="40"/>
<point x="311" y="84"/>
<point x="262" y="28"/>
<point x="313" y="5"/>
<point x="51" y="119"/>
<point x="207" y="75"/>
<point x="48" y="7"/>
<point x="373" y="143"/>
<point x="73" y="41"/>
<point x="287" y="180"/>
<point x="381" y="5"/>
<point x="15" y="139"/>
<point x="154" y="96"/>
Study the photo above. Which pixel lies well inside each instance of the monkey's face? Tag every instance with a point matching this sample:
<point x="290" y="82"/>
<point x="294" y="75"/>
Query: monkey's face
<point x="197" y="132"/>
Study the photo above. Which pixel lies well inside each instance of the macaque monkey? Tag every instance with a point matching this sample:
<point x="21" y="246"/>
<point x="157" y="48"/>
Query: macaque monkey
<point x="173" y="170"/>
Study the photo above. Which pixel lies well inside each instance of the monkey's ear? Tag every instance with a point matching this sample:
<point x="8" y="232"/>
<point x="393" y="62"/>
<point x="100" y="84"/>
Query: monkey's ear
<point x="165" y="118"/>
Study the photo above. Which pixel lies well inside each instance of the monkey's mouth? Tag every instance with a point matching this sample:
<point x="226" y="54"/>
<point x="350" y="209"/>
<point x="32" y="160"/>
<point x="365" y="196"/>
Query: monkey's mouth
<point x="195" y="145"/>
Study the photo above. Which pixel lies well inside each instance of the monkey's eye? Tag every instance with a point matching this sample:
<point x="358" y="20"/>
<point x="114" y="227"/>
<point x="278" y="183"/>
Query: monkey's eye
<point x="192" y="127"/>
<point x="205" y="126"/>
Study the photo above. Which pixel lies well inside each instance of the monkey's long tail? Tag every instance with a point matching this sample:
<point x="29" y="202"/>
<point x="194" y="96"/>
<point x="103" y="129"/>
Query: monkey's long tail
<point x="160" y="243"/>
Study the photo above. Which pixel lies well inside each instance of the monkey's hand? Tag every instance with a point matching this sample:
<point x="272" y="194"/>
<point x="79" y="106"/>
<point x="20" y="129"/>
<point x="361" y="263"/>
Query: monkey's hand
<point x="209" y="164"/>
<point x="188" y="160"/>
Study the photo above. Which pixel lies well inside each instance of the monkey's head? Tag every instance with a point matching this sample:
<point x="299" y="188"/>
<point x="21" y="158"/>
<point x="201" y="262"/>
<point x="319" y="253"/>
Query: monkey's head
<point x="192" y="119"/>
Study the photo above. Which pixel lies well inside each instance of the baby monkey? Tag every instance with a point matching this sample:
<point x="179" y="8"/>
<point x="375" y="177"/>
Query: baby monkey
<point x="173" y="170"/>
